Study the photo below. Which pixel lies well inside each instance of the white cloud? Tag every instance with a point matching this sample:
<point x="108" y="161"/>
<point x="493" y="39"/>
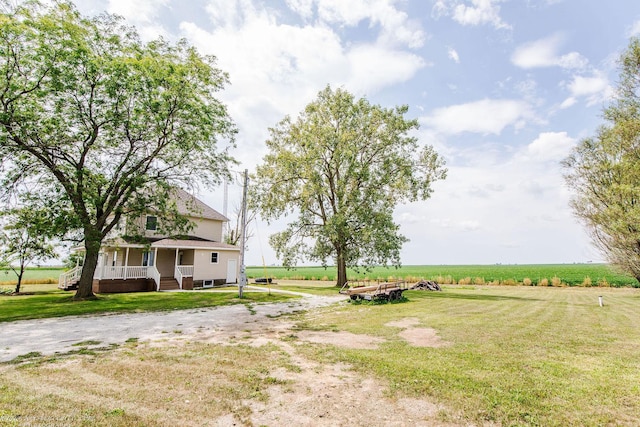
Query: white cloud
<point x="143" y="14"/>
<point x="304" y="8"/>
<point x="396" y="26"/>
<point x="453" y="55"/>
<point x="550" y="146"/>
<point x="480" y="12"/>
<point x="635" y="29"/>
<point x="487" y="116"/>
<point x="595" y="89"/>
<point x="276" y="69"/>
<point x="373" y="67"/>
<point x="544" y="53"/>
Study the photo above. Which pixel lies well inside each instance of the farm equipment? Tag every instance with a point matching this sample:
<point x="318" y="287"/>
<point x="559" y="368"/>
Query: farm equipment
<point x="425" y="285"/>
<point x="387" y="291"/>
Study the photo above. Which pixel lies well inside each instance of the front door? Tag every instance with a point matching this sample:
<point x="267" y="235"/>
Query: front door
<point x="232" y="270"/>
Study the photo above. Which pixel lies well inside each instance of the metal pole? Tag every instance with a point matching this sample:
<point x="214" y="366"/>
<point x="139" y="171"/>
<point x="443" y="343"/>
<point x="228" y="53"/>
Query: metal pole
<point x="243" y="241"/>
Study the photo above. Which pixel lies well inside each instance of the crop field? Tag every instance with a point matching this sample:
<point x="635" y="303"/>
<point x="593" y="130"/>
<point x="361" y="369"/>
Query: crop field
<point x="529" y="274"/>
<point x="533" y="274"/>
<point x="32" y="275"/>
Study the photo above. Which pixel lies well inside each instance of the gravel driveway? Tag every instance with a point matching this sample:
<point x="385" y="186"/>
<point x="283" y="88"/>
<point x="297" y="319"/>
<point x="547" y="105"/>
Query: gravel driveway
<point x="49" y="336"/>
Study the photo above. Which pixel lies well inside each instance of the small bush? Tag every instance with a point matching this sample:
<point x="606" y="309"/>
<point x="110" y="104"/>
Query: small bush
<point x="543" y="282"/>
<point x="587" y="282"/>
<point x="509" y="282"/>
<point x="464" y="281"/>
<point x="556" y="282"/>
<point x="526" y="281"/>
<point x="603" y="283"/>
<point x="479" y="281"/>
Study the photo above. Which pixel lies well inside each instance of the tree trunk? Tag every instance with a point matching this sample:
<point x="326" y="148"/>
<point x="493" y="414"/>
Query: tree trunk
<point x="85" y="285"/>
<point x="19" y="281"/>
<point x="342" y="269"/>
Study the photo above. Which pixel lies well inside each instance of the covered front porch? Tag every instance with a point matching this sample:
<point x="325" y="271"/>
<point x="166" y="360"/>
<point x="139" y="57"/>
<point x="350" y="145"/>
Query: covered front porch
<point x="166" y="264"/>
<point x="166" y="268"/>
<point x="134" y="268"/>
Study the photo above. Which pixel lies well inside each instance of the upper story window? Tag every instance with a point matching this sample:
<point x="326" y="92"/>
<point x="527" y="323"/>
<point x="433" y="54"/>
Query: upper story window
<point x="152" y="222"/>
<point x="214" y="257"/>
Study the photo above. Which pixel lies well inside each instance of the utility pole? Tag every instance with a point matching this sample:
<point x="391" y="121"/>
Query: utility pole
<point x="243" y="240"/>
<point x="225" y="202"/>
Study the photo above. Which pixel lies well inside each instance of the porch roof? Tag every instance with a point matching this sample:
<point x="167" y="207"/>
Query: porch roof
<point x="169" y="243"/>
<point x="193" y="244"/>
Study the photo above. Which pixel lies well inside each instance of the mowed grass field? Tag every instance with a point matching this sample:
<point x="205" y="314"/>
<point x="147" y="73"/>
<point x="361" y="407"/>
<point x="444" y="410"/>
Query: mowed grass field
<point x="509" y="356"/>
<point x="537" y="274"/>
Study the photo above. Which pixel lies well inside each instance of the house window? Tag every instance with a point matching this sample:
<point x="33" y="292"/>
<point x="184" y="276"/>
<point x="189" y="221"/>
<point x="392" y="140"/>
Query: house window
<point x="152" y="222"/>
<point x="214" y="257"/>
<point x="147" y="259"/>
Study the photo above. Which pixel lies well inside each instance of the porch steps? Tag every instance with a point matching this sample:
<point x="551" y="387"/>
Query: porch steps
<point x="168" y="284"/>
<point x="71" y="286"/>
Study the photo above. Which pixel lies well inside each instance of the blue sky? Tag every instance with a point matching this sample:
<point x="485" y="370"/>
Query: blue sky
<point x="503" y="89"/>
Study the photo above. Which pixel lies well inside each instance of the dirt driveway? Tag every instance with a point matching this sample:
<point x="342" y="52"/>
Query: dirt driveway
<point x="48" y="336"/>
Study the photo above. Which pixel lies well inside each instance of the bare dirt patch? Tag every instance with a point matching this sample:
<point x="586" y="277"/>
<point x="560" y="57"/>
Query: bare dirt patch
<point x="407" y="322"/>
<point x="418" y="337"/>
<point x="423" y="337"/>
<point x="341" y="339"/>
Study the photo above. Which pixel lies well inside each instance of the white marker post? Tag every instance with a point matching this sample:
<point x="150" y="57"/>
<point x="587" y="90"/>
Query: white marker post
<point x="600" y="301"/>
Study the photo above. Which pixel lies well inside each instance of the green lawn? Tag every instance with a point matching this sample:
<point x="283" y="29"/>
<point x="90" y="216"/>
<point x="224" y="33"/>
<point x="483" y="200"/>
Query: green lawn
<point x="50" y="302"/>
<point x="516" y="355"/>
<point x="512" y="356"/>
<point x="569" y="274"/>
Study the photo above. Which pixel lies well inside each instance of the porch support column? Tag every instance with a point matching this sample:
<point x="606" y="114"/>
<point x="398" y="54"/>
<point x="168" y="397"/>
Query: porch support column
<point x="177" y="251"/>
<point x="155" y="258"/>
<point x="126" y="263"/>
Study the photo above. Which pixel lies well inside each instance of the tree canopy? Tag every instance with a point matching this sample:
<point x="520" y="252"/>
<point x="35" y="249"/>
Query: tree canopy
<point x="604" y="172"/>
<point x="342" y="166"/>
<point x="100" y="124"/>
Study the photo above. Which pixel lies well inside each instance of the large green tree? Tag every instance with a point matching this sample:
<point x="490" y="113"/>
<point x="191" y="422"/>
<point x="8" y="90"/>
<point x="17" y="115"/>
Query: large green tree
<point x="341" y="167"/>
<point x="604" y="172"/>
<point x="100" y="124"/>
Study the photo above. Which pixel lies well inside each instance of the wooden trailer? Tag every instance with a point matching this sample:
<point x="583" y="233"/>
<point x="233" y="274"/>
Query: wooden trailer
<point x="388" y="291"/>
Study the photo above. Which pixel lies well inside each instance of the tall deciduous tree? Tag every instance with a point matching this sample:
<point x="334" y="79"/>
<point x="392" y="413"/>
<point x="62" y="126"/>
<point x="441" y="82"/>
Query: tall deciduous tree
<point x="105" y="124"/>
<point x="24" y="240"/>
<point x="342" y="166"/>
<point x="604" y="172"/>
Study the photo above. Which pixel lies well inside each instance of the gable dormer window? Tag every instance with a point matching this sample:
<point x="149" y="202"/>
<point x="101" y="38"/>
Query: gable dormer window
<point x="152" y="223"/>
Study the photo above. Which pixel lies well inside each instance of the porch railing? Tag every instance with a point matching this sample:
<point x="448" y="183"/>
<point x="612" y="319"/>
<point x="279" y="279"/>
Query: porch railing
<point x="177" y="274"/>
<point x="67" y="278"/>
<point x="155" y="275"/>
<point x="121" y="272"/>
<point x="186" y="270"/>
<point x="182" y="271"/>
<point x="129" y="272"/>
